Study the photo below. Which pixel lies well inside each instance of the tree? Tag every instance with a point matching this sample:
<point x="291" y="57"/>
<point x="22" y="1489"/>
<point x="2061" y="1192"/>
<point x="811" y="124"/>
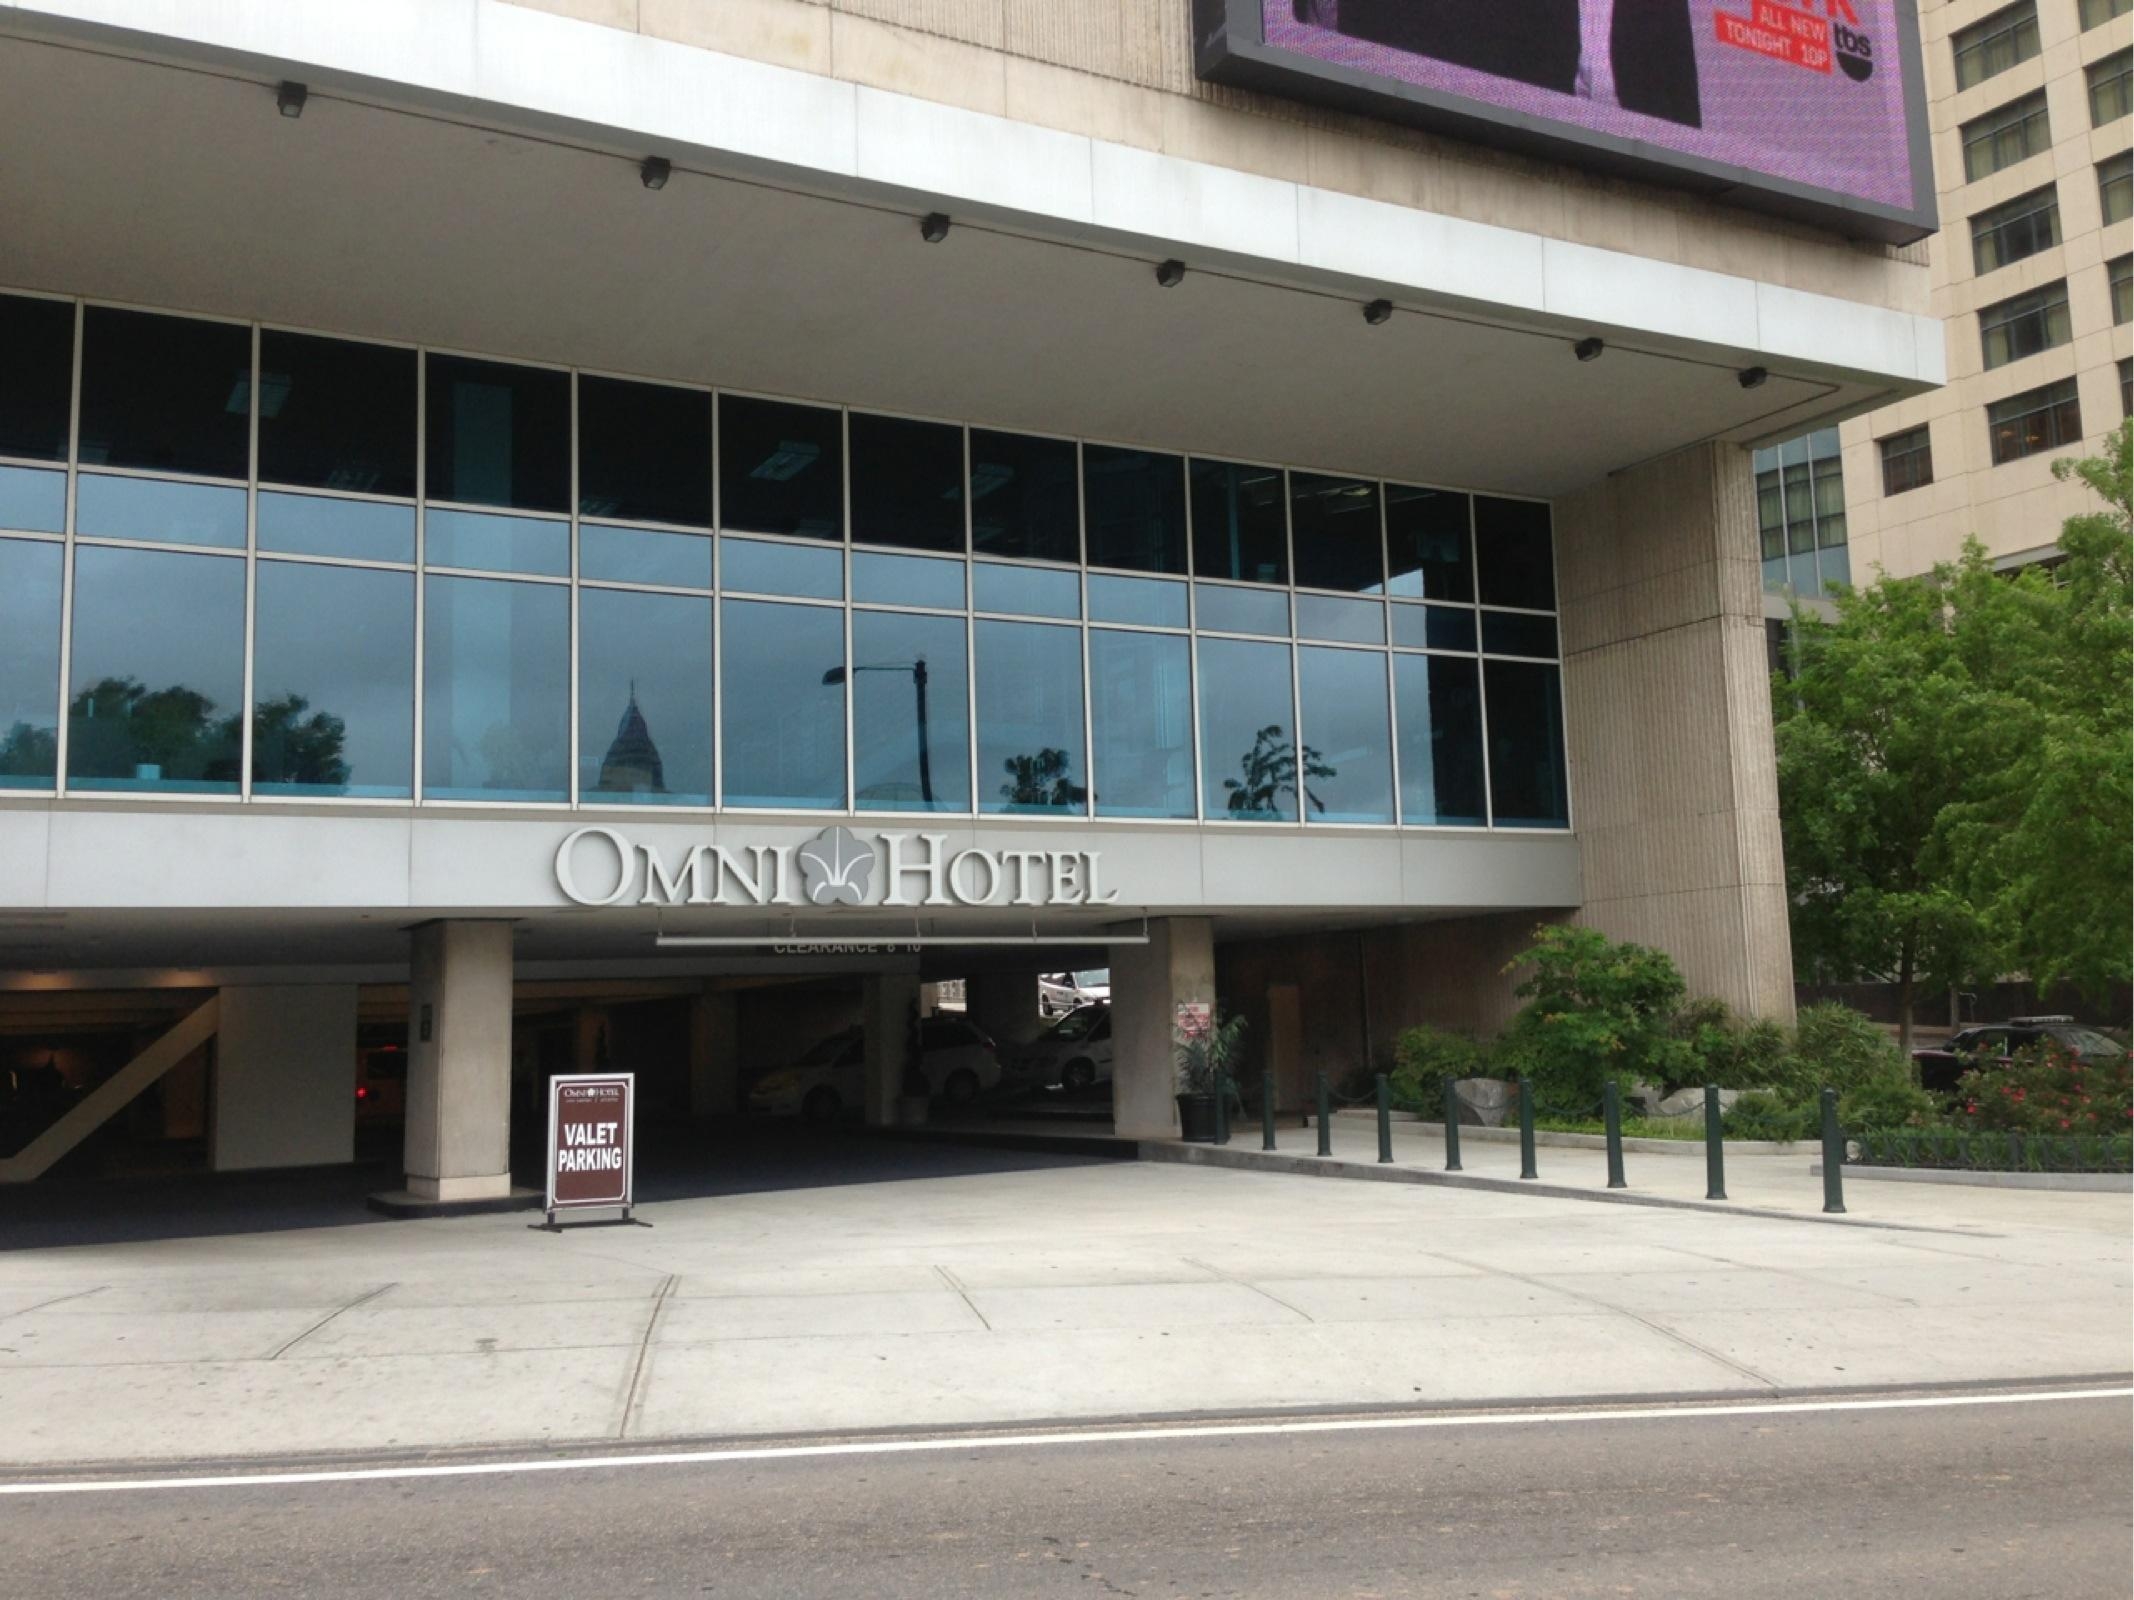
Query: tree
<point x="1269" y="771"/>
<point x="1595" y="1010"/>
<point x="1041" y="780"/>
<point x="290" y="747"/>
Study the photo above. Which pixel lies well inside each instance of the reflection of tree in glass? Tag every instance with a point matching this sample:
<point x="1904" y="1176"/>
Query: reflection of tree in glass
<point x="28" y="752"/>
<point x="1041" y="780"/>
<point x="1270" y="770"/>
<point x="289" y="747"/>
<point x="120" y="725"/>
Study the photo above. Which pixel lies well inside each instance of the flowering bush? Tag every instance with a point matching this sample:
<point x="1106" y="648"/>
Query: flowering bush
<point x="2047" y="1089"/>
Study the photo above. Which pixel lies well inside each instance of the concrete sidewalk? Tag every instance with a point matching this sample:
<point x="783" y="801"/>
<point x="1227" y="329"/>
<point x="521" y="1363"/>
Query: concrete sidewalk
<point x="1050" y="1289"/>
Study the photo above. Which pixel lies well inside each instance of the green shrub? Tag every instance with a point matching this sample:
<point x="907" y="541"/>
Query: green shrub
<point x="1879" y="1104"/>
<point x="1424" y="1057"/>
<point x="1595" y="1010"/>
<point x="1763" y="1115"/>
<point x="1840" y="1048"/>
<point x="1723" y="1049"/>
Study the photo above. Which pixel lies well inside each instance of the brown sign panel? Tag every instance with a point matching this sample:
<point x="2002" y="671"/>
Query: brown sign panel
<point x="589" y="1149"/>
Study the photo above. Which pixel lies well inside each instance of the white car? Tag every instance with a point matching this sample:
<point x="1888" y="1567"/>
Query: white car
<point x="960" y="1062"/>
<point x="1060" y="992"/>
<point x="1072" y="1053"/>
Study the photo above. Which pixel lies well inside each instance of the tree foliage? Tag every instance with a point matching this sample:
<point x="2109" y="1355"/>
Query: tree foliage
<point x="1595" y="1010"/>
<point x="1953" y="761"/>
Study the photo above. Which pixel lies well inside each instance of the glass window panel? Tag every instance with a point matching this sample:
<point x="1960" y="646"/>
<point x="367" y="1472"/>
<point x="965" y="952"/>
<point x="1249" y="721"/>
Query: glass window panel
<point x="907" y="483"/>
<point x="29" y="663"/>
<point x="907" y="581"/>
<point x="1030" y="718"/>
<point x="2115" y="187"/>
<point x="1348" y="741"/>
<point x="157" y="671"/>
<point x="781" y="468"/>
<point x="1512" y="545"/>
<point x="1835" y="562"/>
<point x="1995" y="43"/>
<point x="1427" y="536"/>
<point x="1800" y="508"/>
<point x="635" y="555"/>
<point x="1907" y="460"/>
<point x="1240" y="524"/>
<point x="1025" y="497"/>
<point x="500" y="435"/>
<point x="1134" y="502"/>
<point x="38" y="336"/>
<point x="2038" y="419"/>
<point x="2017" y="230"/>
<point x="166" y="394"/>
<point x="1026" y="591"/>
<point x="1527" y="785"/>
<point x="2005" y="135"/>
<point x="336" y="414"/>
<point x="755" y="566"/>
<point x="496" y="690"/>
<point x="492" y="543"/>
<point x="1225" y="610"/>
<point x="644" y="698"/>
<point x="2111" y="84"/>
<point x="644" y="452"/>
<point x="2025" y="324"/>
<point x="1508" y="633"/>
<point x="333" y="681"/>
<point x="911" y="722"/>
<point x="1344" y="621"/>
<point x="1247" y="731"/>
<point x="318" y="525"/>
<point x="1439" y="702"/>
<point x="1146" y="602"/>
<point x="163" y="512"/>
<point x="33" y="500"/>
<point x="2094" y="12"/>
<point x="1337" y="533"/>
<point x="783" y="705"/>
<point x="1434" y="627"/>
<point x="1141" y="714"/>
<point x="2119" y="276"/>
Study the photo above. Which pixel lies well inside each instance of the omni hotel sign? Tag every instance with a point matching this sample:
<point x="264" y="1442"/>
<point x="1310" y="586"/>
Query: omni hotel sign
<point x="600" y="866"/>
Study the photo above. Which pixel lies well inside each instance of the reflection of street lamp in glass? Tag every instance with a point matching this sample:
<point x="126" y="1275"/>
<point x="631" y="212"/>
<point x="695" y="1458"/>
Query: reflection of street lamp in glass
<point x="917" y="669"/>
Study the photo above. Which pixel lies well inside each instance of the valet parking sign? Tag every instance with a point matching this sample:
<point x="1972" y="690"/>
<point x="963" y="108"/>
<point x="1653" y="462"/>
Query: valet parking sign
<point x="590" y="1127"/>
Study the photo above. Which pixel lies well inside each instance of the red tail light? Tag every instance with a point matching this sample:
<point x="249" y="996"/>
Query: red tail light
<point x="362" y="1092"/>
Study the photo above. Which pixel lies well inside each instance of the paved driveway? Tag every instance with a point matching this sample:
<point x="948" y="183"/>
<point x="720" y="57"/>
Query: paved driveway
<point x="951" y="1288"/>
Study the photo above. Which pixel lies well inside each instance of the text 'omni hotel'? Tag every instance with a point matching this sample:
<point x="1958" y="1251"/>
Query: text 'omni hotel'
<point x="531" y="534"/>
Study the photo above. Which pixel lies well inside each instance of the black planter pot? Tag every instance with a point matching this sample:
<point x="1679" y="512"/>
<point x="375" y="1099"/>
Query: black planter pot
<point x="1196" y="1118"/>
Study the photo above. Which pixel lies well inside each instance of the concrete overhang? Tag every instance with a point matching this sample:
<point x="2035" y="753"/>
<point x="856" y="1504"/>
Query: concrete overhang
<point x="464" y="175"/>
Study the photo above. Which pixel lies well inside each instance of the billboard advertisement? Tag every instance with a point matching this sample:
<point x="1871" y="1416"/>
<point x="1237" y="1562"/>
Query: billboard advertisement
<point x="1807" y="108"/>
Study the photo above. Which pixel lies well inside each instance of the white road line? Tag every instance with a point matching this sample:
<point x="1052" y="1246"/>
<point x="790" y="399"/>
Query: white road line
<point x="1030" y="1441"/>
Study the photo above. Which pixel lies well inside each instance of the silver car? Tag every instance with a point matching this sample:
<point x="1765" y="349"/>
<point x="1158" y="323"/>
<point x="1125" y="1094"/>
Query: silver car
<point x="1072" y="1053"/>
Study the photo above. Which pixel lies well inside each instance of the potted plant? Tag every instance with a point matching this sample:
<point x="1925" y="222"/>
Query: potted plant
<point x="1203" y="1054"/>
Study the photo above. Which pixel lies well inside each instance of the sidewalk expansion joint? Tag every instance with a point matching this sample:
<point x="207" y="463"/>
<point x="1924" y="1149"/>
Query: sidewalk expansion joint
<point x="633" y="1396"/>
<point x="964" y="1294"/>
<point x="335" y="1312"/>
<point x="56" y="1300"/>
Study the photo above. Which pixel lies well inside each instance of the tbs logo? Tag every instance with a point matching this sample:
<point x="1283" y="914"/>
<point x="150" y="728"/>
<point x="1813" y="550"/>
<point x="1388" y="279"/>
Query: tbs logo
<point x="1855" y="52"/>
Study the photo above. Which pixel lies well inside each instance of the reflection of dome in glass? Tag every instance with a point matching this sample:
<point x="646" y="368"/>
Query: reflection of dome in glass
<point x="632" y="763"/>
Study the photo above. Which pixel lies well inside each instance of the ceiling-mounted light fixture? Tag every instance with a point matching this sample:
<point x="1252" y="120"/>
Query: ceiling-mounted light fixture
<point x="1588" y="349"/>
<point x="933" y="227"/>
<point x="1377" y="312"/>
<point x="1751" y="377"/>
<point x="1171" y="274"/>
<point x="289" y="99"/>
<point x="654" y="171"/>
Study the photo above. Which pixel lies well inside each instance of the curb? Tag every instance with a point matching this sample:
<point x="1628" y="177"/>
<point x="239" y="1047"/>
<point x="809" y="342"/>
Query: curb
<point x="403" y="1206"/>
<point x="2055" y="1182"/>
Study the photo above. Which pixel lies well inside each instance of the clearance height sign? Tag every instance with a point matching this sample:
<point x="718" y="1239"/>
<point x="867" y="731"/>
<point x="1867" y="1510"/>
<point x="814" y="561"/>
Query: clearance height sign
<point x="590" y="1129"/>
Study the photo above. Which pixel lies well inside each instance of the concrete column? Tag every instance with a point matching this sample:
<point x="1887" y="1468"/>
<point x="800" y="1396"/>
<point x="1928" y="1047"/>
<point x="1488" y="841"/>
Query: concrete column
<point x="887" y="1003"/>
<point x="714" y="1055"/>
<point x="1148" y="983"/>
<point x="1004" y="1004"/>
<point x="1667" y="707"/>
<point x="285" y="1076"/>
<point x="590" y="1040"/>
<point x="459" y="1062"/>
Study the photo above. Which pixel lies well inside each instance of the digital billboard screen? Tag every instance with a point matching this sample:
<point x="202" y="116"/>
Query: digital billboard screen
<point x="1811" y="108"/>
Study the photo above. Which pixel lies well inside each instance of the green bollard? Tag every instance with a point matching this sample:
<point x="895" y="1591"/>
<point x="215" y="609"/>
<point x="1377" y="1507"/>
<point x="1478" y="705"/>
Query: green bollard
<point x="1452" y="1127"/>
<point x="1526" y="1129"/>
<point x="1326" y="1119"/>
<point x="1612" y="1118"/>
<point x="1714" y="1146"/>
<point x="1833" y="1155"/>
<point x="1267" y="1111"/>
<point x="1222" y="1106"/>
<point x="1385" y="1120"/>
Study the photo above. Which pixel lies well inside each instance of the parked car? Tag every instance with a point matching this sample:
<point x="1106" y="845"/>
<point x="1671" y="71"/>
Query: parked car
<point x="959" y="1059"/>
<point x="1060" y="992"/>
<point x="1994" y="1043"/>
<point x="1073" y="1052"/>
<point x="381" y="1084"/>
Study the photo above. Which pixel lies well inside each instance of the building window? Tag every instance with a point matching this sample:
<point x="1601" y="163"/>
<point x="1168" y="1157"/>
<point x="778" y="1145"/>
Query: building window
<point x="1800" y="513"/>
<point x="29" y="662"/>
<point x="911" y="718"/>
<point x="1253" y="769"/>
<point x="2098" y="11"/>
<point x="1025" y="497"/>
<point x="2025" y="324"/>
<point x="1240" y="522"/>
<point x="2120" y="274"/>
<point x="2038" y="419"/>
<point x="2111" y="88"/>
<point x="1430" y="540"/>
<point x="2005" y="135"/>
<point x="496" y="690"/>
<point x="1512" y="545"/>
<point x="781" y="468"/>
<point x="499" y="434"/>
<point x="785" y="736"/>
<point x="1996" y="43"/>
<point x="2115" y="187"/>
<point x="38" y="336"/>
<point x="1030" y="719"/>
<point x="1439" y="706"/>
<point x="1338" y="534"/>
<point x="2024" y="226"/>
<point x="1135" y="505"/>
<point x="2126" y="387"/>
<point x="644" y="452"/>
<point x="644" y="696"/>
<point x="1527" y="787"/>
<point x="906" y="483"/>
<point x="1907" y="460"/>
<point x="1346" y="726"/>
<point x="1141" y="718"/>
<point x="336" y="415"/>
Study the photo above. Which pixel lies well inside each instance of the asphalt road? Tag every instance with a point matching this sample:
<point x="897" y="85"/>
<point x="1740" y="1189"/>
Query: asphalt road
<point x="2028" y="1499"/>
